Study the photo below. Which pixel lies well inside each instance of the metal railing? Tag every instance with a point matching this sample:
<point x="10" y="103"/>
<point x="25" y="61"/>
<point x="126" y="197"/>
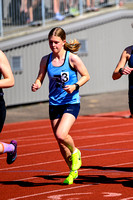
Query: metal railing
<point x="17" y="15"/>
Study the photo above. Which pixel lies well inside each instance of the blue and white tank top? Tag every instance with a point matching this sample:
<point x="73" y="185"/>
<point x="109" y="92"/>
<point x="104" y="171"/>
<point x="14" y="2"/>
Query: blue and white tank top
<point x="58" y="78"/>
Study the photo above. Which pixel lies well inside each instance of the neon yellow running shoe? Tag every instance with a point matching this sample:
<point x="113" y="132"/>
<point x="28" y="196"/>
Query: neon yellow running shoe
<point x="76" y="160"/>
<point x="69" y="180"/>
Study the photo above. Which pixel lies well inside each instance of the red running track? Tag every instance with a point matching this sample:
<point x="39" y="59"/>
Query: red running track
<point x="106" y="144"/>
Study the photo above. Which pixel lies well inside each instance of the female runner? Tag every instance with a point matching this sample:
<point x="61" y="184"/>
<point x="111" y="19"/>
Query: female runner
<point x="62" y="66"/>
<point x="122" y="69"/>
<point x="6" y="82"/>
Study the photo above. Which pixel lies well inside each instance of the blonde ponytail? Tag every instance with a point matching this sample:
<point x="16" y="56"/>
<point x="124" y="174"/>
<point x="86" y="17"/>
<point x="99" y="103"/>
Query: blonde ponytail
<point x="72" y="46"/>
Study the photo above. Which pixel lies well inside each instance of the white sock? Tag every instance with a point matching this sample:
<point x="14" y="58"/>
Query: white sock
<point x="75" y="151"/>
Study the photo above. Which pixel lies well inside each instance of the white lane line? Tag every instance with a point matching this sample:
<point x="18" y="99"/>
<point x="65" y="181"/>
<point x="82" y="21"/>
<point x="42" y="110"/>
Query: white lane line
<point x="80" y="170"/>
<point x="49" y="192"/>
<point x="75" y="137"/>
<point x="60" y="190"/>
<point x="57" y="150"/>
<point x="57" y="161"/>
<point x="36" y="127"/>
<point x="28" y="122"/>
<point x="49" y="126"/>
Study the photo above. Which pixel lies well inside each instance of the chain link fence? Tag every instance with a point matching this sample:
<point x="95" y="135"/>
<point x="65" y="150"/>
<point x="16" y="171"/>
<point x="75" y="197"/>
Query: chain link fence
<point x="17" y="15"/>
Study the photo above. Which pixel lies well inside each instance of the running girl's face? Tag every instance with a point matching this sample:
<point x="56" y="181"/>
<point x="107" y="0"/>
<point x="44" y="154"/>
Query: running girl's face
<point x="56" y="44"/>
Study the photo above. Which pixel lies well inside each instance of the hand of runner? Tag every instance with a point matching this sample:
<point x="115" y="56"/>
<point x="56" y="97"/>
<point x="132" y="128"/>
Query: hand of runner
<point x="34" y="87"/>
<point x="127" y="70"/>
<point x="69" y="88"/>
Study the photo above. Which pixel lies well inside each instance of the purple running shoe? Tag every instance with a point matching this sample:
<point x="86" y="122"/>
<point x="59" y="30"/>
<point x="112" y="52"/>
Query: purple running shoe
<point x="11" y="156"/>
